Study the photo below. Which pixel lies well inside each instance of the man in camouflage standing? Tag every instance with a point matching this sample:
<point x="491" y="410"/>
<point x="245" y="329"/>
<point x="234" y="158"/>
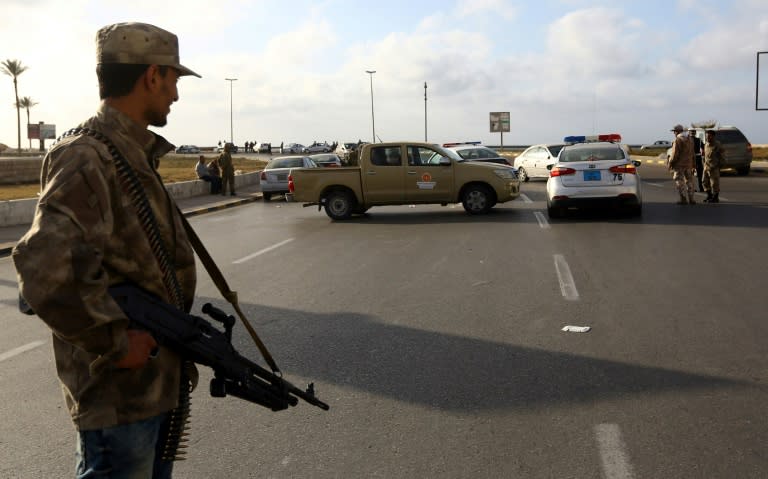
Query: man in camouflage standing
<point x="680" y="163"/>
<point x="86" y="236"/>
<point x="227" y="170"/>
<point x="714" y="157"/>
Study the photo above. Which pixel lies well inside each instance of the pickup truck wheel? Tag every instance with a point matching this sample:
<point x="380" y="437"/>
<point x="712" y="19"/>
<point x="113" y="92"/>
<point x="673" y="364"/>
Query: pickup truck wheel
<point x="477" y="200"/>
<point x="339" y="205"/>
<point x="267" y="196"/>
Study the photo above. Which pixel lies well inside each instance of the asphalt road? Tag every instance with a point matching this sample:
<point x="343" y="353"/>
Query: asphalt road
<point x="437" y="340"/>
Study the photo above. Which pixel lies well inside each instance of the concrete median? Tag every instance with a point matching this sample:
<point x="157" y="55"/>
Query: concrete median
<point x="20" y="212"/>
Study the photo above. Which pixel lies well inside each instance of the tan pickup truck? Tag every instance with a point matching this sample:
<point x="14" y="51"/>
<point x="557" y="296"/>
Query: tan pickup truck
<point x="403" y="173"/>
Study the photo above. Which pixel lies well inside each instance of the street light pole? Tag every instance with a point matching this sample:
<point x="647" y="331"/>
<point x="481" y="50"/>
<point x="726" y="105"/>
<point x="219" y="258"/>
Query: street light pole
<point x="373" y="118"/>
<point x="231" y="136"/>
<point x="425" y="112"/>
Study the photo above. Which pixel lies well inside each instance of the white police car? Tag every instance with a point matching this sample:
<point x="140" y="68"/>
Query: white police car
<point x="594" y="172"/>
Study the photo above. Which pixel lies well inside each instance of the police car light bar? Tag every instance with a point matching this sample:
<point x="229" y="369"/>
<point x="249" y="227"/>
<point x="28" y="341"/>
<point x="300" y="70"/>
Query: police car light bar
<point x="611" y="137"/>
<point x="447" y="145"/>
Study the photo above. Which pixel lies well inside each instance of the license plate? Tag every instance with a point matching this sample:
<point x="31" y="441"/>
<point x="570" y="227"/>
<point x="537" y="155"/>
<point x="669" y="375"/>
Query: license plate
<point x="591" y="176"/>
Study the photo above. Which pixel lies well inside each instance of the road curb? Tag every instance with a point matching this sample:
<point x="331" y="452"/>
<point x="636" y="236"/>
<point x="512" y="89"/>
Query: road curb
<point x="7" y="248"/>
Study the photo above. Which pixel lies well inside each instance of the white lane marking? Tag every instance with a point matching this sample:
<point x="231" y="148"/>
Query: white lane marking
<point x="613" y="453"/>
<point x="20" y="349"/>
<point x="525" y="198"/>
<point x="260" y="252"/>
<point x="567" y="285"/>
<point x="654" y="184"/>
<point x="543" y="223"/>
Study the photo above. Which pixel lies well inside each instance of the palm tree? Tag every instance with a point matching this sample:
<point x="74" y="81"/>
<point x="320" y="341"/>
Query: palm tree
<point x="14" y="68"/>
<point x="27" y="103"/>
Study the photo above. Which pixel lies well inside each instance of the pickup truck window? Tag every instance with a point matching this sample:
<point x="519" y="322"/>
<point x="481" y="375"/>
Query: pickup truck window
<point x="386" y="156"/>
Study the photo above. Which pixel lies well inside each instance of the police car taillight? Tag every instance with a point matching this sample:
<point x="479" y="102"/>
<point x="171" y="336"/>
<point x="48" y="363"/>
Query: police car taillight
<point x="561" y="171"/>
<point x="628" y="168"/>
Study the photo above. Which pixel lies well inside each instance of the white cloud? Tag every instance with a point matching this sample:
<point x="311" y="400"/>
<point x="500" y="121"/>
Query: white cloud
<point x="501" y="8"/>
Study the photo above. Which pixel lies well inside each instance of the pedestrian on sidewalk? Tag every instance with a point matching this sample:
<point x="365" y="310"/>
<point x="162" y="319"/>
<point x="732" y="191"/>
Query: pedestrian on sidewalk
<point x="714" y="158"/>
<point x="680" y="163"/>
<point x="120" y="386"/>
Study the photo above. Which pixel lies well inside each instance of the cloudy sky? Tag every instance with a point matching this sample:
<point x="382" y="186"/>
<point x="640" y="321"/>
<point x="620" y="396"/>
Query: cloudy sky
<point x="560" y="67"/>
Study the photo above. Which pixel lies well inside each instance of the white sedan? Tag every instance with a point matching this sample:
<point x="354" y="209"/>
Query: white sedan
<point x="594" y="175"/>
<point x="534" y="162"/>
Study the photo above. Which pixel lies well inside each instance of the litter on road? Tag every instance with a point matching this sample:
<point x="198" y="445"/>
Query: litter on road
<point x="577" y="329"/>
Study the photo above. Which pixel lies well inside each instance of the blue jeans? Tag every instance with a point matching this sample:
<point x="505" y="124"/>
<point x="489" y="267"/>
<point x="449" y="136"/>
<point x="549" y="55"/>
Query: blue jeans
<point x="128" y="451"/>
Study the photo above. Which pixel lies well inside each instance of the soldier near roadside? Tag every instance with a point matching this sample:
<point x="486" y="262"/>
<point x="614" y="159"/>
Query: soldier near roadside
<point x="714" y="157"/>
<point x="227" y="170"/>
<point x="98" y="184"/>
<point x="681" y="163"/>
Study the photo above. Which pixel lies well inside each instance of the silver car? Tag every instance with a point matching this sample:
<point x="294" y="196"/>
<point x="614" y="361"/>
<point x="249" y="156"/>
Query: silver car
<point x="594" y="175"/>
<point x="534" y="162"/>
<point x="274" y="177"/>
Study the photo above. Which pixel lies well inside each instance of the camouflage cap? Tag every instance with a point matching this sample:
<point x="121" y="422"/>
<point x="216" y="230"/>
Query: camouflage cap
<point x="139" y="44"/>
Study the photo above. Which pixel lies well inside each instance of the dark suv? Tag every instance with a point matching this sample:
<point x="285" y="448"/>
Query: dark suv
<point x="738" y="150"/>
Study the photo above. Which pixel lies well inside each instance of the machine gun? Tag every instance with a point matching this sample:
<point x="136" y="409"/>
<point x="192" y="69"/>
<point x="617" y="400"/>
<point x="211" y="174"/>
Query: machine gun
<point x="195" y="339"/>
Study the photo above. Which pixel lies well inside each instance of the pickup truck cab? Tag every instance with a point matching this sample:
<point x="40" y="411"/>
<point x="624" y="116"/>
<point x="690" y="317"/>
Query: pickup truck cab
<point x="403" y="173"/>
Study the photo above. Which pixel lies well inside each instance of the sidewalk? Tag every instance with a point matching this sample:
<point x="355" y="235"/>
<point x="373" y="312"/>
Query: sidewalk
<point x="196" y="205"/>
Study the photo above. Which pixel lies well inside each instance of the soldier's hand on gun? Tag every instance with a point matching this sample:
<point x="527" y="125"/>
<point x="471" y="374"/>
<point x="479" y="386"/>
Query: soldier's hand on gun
<point x="141" y="348"/>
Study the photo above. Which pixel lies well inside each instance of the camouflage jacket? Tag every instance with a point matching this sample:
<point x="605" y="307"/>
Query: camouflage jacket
<point x="85" y="237"/>
<point x="681" y="156"/>
<point x="714" y="155"/>
<point x="225" y="163"/>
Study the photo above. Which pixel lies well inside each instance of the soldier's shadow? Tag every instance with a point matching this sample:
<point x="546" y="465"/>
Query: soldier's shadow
<point x="446" y="371"/>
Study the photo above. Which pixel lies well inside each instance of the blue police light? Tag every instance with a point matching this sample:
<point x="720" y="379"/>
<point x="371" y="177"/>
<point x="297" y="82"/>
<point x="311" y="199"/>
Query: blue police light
<point x="610" y="137"/>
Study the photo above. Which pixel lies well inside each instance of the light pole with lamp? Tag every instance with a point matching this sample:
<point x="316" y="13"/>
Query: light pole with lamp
<point x="425" y="112"/>
<point x="373" y="118"/>
<point x="231" y="136"/>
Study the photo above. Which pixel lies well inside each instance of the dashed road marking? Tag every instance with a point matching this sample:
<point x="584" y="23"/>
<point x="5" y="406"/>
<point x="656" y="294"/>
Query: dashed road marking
<point x="543" y="223"/>
<point x="260" y="252"/>
<point x="567" y="285"/>
<point x="613" y="454"/>
<point x="20" y="350"/>
<point x="525" y="198"/>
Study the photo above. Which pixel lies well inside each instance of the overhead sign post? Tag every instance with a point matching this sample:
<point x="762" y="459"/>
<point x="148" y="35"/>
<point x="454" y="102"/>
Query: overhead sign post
<point x="500" y="124"/>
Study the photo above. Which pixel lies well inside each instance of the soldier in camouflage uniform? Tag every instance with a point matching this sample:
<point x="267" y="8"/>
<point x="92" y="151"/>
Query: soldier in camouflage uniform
<point x="680" y="163"/>
<point x="86" y="236"/>
<point x="227" y="170"/>
<point x="714" y="158"/>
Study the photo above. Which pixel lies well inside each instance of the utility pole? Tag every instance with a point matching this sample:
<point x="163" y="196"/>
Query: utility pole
<point x="425" y="112"/>
<point x="231" y="135"/>
<point x="373" y="118"/>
